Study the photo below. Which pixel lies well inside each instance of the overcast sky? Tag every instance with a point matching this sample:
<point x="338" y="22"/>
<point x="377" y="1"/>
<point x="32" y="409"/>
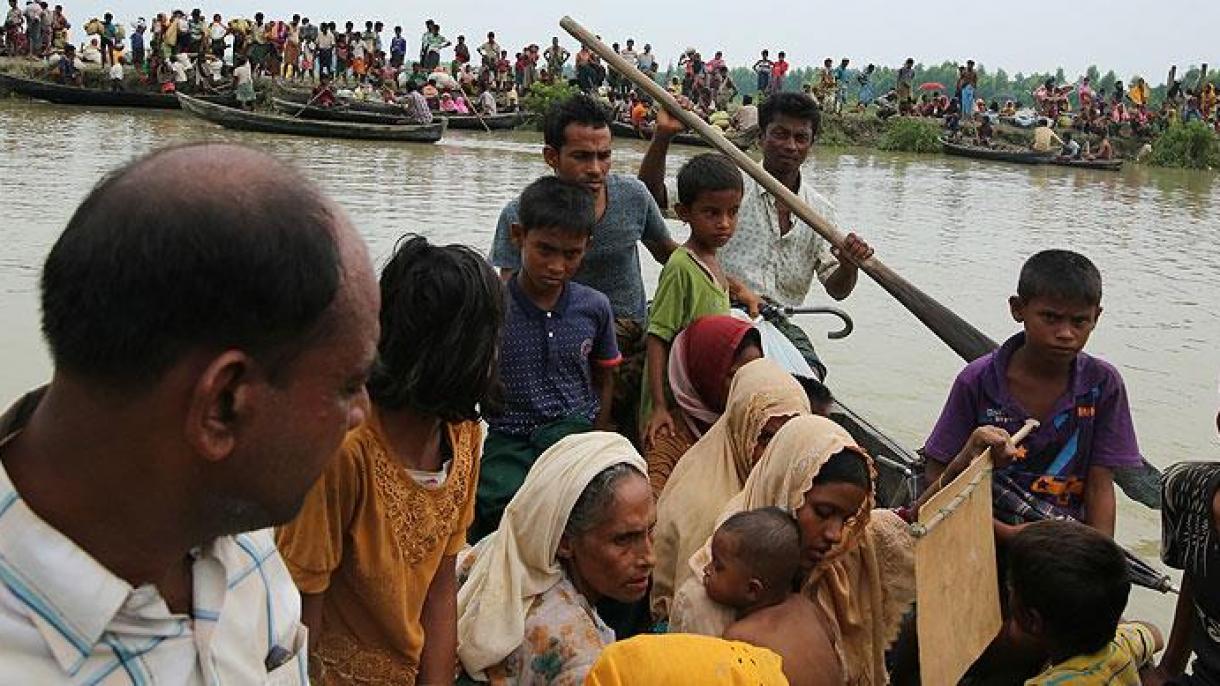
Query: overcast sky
<point x="1127" y="36"/>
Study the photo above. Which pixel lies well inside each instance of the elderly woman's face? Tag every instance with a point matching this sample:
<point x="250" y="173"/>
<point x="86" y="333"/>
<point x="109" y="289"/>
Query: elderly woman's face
<point x="823" y="518"/>
<point x="614" y="559"/>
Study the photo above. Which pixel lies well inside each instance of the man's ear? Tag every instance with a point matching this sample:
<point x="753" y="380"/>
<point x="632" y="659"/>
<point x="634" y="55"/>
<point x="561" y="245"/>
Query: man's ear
<point x="550" y="155"/>
<point x="221" y="402"/>
<point x="1016" y="306"/>
<point x="517" y="234"/>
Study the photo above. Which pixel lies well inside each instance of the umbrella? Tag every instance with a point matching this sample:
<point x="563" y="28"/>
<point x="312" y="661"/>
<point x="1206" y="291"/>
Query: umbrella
<point x="932" y="86"/>
<point x="1013" y="500"/>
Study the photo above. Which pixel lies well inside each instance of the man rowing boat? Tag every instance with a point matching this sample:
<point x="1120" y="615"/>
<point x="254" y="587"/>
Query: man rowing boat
<point x="774" y="253"/>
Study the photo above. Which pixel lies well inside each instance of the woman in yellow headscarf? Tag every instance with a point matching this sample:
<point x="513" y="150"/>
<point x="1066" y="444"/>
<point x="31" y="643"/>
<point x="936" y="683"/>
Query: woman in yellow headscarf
<point x="763" y="396"/>
<point x="857" y="562"/>
<point x="1138" y="93"/>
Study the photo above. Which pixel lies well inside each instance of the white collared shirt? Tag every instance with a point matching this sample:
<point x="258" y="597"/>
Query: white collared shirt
<point x="64" y="618"/>
<point x="778" y="266"/>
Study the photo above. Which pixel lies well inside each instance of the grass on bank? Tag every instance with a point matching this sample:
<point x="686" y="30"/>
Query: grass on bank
<point x="1191" y="146"/>
<point x="911" y="135"/>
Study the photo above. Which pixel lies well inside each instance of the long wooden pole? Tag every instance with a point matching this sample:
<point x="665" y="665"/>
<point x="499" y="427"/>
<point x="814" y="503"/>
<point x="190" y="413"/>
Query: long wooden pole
<point x="957" y="333"/>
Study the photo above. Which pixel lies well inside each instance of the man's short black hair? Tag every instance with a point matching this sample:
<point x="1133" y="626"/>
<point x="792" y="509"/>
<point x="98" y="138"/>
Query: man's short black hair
<point x="553" y="203"/>
<point x="710" y="171"/>
<point x="1060" y="274"/>
<point x="442" y="308"/>
<point x="578" y="109"/>
<point x="1075" y="578"/>
<point x="795" y="105"/>
<point x="140" y="276"/>
<point x="768" y="542"/>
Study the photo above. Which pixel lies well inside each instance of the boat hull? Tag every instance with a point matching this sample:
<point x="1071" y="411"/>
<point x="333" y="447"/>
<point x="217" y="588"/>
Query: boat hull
<point x="61" y="94"/>
<point x="242" y="120"/>
<point x="996" y="154"/>
<point x="625" y="130"/>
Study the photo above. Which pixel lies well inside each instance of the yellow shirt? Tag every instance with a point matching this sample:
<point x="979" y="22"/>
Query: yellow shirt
<point x="1117" y="664"/>
<point x="1043" y="137"/>
<point x="371" y="539"/>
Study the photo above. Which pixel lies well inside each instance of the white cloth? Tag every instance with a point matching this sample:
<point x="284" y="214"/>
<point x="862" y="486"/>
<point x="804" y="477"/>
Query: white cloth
<point x="116" y="70"/>
<point x="516" y="563"/>
<point x="781" y="267"/>
<point x="64" y="618"/>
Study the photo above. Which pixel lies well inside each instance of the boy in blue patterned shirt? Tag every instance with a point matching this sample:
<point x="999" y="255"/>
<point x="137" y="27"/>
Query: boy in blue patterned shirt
<point x="558" y="349"/>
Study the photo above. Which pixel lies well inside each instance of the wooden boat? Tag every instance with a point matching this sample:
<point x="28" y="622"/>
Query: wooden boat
<point x="1015" y="155"/>
<point x="506" y="120"/>
<point x="1103" y="165"/>
<point x="625" y="130"/>
<point x="898" y="470"/>
<point x="243" y="120"/>
<point x="61" y="94"/>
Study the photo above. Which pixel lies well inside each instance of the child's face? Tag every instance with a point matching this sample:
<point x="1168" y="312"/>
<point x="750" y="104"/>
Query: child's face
<point x="726" y="578"/>
<point x="1054" y="327"/>
<point x="549" y="257"/>
<point x="712" y="217"/>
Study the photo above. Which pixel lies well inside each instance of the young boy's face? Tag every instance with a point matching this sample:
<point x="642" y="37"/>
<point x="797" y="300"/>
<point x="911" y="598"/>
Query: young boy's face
<point x="1056" y="328"/>
<point x="725" y="577"/>
<point x="549" y="256"/>
<point x="712" y="217"/>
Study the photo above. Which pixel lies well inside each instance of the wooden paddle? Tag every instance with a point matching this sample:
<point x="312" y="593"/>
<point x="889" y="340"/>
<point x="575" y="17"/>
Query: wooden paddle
<point x="474" y="106"/>
<point x="957" y="333"/>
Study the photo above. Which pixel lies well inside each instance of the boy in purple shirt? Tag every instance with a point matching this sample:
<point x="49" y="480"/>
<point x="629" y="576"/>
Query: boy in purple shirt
<point x="557" y="351"/>
<point x="1042" y="373"/>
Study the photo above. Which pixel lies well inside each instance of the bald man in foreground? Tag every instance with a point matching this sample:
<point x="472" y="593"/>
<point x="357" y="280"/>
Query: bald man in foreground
<point x="210" y="352"/>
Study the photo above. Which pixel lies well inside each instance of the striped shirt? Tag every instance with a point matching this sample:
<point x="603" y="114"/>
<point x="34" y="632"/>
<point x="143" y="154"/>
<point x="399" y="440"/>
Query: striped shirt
<point x="64" y="618"/>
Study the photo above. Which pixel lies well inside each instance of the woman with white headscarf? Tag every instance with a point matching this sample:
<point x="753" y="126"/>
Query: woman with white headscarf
<point x="578" y="531"/>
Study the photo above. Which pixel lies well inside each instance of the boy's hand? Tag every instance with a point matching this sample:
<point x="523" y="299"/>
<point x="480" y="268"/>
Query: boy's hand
<point x="1003" y="451"/>
<point x="854" y="251"/>
<point x="660" y="425"/>
<point x="744" y="296"/>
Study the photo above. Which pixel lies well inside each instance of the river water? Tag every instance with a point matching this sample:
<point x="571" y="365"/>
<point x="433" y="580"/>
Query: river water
<point x="956" y="228"/>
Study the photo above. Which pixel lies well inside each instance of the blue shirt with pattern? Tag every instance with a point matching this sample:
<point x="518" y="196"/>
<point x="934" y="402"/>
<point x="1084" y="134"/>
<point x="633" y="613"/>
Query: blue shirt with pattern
<point x="546" y="357"/>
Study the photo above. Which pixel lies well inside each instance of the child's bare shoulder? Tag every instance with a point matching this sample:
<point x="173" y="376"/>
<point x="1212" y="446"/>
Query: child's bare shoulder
<point x="797" y="612"/>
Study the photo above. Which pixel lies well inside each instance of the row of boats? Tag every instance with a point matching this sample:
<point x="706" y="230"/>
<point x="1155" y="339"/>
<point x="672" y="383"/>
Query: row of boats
<point x="292" y="112"/>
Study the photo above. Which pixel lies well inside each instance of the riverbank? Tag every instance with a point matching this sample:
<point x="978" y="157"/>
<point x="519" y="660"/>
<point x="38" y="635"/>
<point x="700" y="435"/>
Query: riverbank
<point x="847" y="130"/>
<point x="867" y="130"/>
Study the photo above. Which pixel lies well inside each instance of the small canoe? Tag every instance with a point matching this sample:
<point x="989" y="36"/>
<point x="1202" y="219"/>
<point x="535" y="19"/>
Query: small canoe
<point x="243" y="120"/>
<point x="506" y="120"/>
<point x="1103" y="165"/>
<point x="625" y="130"/>
<point x="1015" y="155"/>
<point x="61" y="94"/>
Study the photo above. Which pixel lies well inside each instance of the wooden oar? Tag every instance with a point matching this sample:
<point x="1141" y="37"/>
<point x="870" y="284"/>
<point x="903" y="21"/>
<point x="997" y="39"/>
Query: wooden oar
<point x="957" y="333"/>
<point x="473" y="105"/>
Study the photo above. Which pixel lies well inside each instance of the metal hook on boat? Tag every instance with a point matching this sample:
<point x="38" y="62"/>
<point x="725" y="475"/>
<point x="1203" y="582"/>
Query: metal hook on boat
<point x="848" y="325"/>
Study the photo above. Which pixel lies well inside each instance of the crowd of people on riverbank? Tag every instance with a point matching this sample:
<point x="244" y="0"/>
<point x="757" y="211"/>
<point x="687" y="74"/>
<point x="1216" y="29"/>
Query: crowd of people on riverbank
<point x="192" y="51"/>
<point x="514" y="468"/>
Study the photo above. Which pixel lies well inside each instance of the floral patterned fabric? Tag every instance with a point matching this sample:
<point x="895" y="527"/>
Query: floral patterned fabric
<point x="563" y="638"/>
<point x="776" y="265"/>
